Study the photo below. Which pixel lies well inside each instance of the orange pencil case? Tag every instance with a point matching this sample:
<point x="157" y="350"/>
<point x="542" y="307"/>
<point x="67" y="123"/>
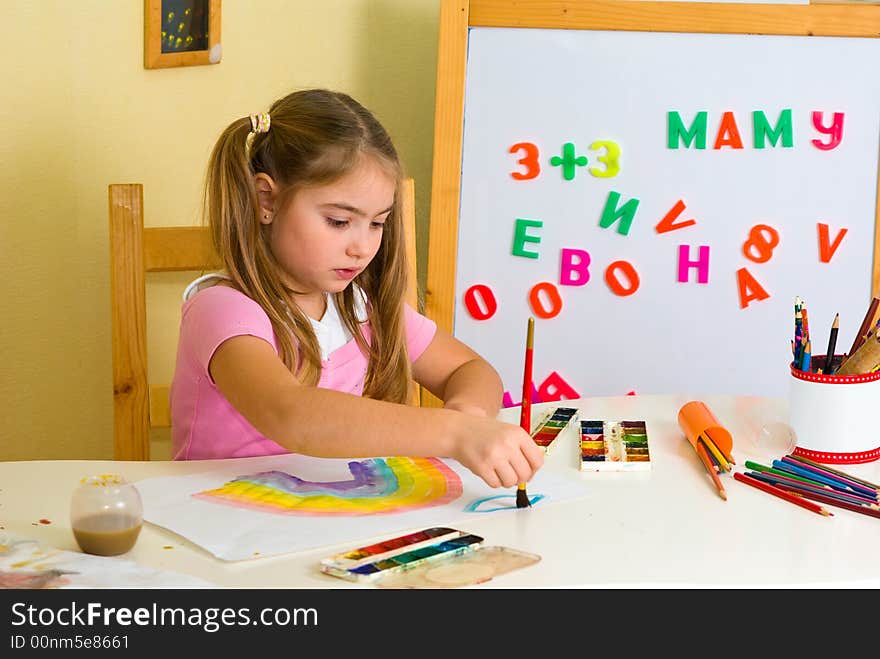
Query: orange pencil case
<point x="696" y="419"/>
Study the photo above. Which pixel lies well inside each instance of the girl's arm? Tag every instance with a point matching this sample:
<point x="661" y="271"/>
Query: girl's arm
<point x="325" y="423"/>
<point x="458" y="376"/>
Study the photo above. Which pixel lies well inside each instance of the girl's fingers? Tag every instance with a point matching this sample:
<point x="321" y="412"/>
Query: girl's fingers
<point x="522" y="468"/>
<point x="534" y="454"/>
<point x="506" y="475"/>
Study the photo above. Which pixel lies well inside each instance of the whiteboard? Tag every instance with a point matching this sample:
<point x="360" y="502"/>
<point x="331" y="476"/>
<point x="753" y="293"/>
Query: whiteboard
<point x="552" y="87"/>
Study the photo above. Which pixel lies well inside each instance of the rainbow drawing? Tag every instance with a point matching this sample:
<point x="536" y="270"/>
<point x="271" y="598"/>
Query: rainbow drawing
<point x="378" y="486"/>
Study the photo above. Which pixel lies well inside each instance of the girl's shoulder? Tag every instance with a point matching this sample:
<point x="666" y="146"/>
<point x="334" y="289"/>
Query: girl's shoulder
<point x="218" y="301"/>
<point x="206" y="282"/>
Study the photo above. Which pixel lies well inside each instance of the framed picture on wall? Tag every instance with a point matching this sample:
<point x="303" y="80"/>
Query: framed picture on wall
<point x="181" y="33"/>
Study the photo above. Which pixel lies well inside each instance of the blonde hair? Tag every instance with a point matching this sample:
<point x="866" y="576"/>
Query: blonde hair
<point x="316" y="137"/>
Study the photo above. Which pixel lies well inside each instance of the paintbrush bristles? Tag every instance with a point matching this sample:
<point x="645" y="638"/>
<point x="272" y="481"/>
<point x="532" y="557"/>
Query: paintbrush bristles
<point x="522" y="498"/>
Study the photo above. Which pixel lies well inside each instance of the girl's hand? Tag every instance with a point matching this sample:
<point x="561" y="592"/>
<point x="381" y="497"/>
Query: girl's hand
<point x="502" y="454"/>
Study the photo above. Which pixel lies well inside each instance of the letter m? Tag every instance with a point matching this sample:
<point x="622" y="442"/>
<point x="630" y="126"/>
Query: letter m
<point x="676" y="131"/>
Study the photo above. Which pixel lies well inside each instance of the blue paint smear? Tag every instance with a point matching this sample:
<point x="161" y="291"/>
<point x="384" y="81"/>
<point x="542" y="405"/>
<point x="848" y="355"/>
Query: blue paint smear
<point x="473" y="506"/>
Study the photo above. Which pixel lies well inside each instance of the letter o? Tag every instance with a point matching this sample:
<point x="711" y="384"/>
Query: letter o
<point x="613" y="281"/>
<point x="472" y="298"/>
<point x="538" y="306"/>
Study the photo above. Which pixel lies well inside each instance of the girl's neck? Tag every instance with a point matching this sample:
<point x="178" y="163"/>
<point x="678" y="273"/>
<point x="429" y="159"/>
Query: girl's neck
<point x="314" y="306"/>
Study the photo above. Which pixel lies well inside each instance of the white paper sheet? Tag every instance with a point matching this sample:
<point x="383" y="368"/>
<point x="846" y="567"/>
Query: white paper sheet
<point x="31" y="564"/>
<point x="233" y="533"/>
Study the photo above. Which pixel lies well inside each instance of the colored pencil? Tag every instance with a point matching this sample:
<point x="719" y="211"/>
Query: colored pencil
<point x="780" y="481"/>
<point x="832" y="343"/>
<point x="790" y="469"/>
<point x="525" y="416"/>
<point x="806" y="356"/>
<point x="704" y="458"/>
<point x="727" y="454"/>
<point x="722" y="462"/>
<point x="865" y="326"/>
<point x="864" y="510"/>
<point x="755" y="466"/>
<point x="792" y="466"/>
<point x="782" y="494"/>
<point x="844" y="475"/>
<point x="805" y="321"/>
<point x="802" y="487"/>
<point x="841" y="480"/>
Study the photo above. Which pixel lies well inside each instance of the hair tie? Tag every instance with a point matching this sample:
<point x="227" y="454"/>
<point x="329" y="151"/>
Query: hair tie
<point x="260" y="122"/>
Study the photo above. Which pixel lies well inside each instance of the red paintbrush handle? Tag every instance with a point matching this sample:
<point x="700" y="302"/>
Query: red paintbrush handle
<point x="525" y="417"/>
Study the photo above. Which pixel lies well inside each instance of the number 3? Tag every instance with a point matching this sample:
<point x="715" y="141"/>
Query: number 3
<point x="610" y="159"/>
<point x="529" y="161"/>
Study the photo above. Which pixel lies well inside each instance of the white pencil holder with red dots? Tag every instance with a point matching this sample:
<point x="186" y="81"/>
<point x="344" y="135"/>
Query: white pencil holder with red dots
<point x="834" y="417"/>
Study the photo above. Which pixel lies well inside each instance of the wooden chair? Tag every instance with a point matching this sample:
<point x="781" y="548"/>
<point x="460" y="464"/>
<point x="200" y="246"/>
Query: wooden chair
<point x="135" y="251"/>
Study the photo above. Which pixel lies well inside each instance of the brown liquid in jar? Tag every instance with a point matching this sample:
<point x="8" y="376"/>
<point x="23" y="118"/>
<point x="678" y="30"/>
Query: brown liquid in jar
<point x="106" y="535"/>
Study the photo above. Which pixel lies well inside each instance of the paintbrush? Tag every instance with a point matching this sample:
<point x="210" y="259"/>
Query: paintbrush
<point x="525" y="416"/>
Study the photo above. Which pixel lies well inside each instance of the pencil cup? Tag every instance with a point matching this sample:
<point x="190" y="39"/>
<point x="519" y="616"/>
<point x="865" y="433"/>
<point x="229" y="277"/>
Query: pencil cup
<point x="696" y="419"/>
<point x="834" y="417"/>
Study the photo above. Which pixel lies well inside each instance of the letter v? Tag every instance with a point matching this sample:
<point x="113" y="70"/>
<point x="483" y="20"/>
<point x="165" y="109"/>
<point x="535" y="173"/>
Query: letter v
<point x="668" y="222"/>
<point x="826" y="251"/>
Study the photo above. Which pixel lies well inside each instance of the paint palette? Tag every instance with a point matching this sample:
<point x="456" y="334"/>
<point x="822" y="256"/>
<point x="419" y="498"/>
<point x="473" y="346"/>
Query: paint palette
<point x="437" y="557"/>
<point x="614" y="446"/>
<point x="467" y="569"/>
<point x="397" y="554"/>
<point x="552" y="425"/>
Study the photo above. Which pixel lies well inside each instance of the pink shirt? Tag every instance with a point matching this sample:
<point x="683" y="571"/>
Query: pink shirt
<point x="204" y="425"/>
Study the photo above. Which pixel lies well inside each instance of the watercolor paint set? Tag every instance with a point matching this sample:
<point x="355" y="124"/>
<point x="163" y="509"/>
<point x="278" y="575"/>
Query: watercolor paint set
<point x="614" y="446"/>
<point x="436" y="557"/>
<point x="552" y="425"/>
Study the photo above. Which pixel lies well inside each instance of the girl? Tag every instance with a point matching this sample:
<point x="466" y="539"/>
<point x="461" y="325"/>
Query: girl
<point x="303" y="343"/>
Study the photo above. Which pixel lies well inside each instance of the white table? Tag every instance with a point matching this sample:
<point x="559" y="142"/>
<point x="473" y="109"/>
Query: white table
<point x="664" y="527"/>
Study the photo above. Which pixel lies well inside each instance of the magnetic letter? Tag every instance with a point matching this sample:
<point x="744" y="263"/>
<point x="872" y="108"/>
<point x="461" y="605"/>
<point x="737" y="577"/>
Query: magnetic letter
<point x="834" y="131"/>
<point x="570" y="267"/>
<point x="701" y="264"/>
<point x="749" y="288"/>
<point x="668" y="222"/>
<point x="613" y="280"/>
<point x="520" y="237"/>
<point x="610" y="214"/>
<point x="555" y="388"/>
<point x="762" y="240"/>
<point x="480" y="293"/>
<point x="728" y="133"/>
<point x="826" y="251"/>
<point x="763" y="131"/>
<point x="538" y="306"/>
<point x="529" y="161"/>
<point x="507" y="399"/>
<point x="675" y="131"/>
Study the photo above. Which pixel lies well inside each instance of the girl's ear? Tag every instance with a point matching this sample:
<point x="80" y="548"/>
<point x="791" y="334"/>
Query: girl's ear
<point x="266" y="189"/>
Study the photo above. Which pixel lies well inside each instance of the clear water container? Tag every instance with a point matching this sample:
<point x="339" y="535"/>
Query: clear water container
<point x="106" y="515"/>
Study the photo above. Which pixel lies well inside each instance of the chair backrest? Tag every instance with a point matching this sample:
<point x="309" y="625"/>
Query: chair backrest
<point x="135" y="250"/>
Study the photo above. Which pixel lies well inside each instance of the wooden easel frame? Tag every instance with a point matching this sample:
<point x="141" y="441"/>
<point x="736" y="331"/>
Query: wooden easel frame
<point x="457" y="16"/>
<point x="154" y="58"/>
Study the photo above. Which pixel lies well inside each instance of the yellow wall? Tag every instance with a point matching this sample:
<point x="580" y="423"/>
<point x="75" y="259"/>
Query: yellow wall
<point x="79" y="111"/>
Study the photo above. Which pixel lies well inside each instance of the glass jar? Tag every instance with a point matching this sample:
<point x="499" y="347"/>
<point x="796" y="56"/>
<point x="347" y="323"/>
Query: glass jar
<point x="106" y="515"/>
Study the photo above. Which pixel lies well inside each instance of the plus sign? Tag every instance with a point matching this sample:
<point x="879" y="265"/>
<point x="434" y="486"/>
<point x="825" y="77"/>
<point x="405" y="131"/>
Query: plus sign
<point x="568" y="161"/>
